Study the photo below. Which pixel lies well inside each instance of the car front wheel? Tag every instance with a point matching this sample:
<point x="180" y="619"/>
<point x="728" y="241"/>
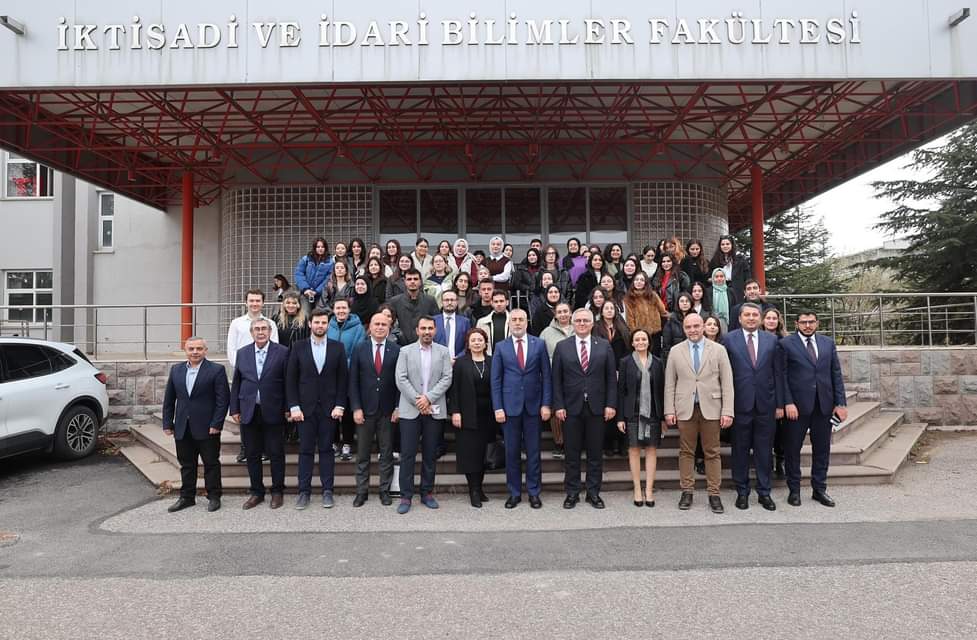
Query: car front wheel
<point x="77" y="433"/>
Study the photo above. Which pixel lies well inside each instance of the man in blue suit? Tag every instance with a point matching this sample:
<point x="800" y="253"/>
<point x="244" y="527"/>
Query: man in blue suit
<point x="450" y="327"/>
<point x="194" y="407"/>
<point x="813" y="391"/>
<point x="758" y="403"/>
<point x="258" y="405"/>
<point x="373" y="398"/>
<point x="316" y="391"/>
<point x="522" y="394"/>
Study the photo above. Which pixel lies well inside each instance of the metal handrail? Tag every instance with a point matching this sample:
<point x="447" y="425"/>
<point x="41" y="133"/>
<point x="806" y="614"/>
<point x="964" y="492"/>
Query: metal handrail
<point x="142" y="330"/>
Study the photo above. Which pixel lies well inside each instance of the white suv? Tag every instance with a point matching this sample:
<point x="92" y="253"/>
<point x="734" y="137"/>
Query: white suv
<point x="51" y="398"/>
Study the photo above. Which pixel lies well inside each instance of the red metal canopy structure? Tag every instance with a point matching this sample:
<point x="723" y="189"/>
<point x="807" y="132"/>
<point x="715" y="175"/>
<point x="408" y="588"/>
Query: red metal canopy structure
<point x="800" y="137"/>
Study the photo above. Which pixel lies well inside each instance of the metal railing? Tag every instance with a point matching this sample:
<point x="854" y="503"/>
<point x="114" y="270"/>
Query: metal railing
<point x="153" y="330"/>
<point x="889" y="319"/>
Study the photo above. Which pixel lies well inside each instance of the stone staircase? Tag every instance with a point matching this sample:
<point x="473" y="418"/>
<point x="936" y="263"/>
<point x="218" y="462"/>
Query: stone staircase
<point x="869" y="447"/>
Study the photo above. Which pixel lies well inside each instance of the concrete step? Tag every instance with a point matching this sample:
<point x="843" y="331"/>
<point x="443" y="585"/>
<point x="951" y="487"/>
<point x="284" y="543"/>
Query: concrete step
<point x="857" y="445"/>
<point x="858" y="414"/>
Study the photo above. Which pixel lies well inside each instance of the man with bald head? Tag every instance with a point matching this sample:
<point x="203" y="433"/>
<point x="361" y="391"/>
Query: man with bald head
<point x="699" y="399"/>
<point x="194" y="407"/>
<point x="373" y="398"/>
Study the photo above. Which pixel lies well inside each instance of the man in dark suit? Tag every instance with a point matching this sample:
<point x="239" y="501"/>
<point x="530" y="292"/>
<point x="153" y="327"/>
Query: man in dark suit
<point x="522" y="394"/>
<point x="450" y="327"/>
<point x="813" y="391"/>
<point x="752" y="294"/>
<point x="258" y="405"/>
<point x="373" y="398"/>
<point x="194" y="407"/>
<point x="316" y="388"/>
<point x="758" y="403"/>
<point x="584" y="397"/>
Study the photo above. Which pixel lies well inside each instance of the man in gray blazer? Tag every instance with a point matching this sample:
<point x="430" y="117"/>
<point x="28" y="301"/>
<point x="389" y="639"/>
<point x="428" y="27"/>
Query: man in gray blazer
<point x="423" y="378"/>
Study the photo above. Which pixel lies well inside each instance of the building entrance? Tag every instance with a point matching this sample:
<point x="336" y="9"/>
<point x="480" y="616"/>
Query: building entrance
<point x="553" y="213"/>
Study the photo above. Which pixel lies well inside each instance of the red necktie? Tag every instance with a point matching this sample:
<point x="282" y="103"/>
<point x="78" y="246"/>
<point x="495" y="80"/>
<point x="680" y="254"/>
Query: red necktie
<point x="751" y="347"/>
<point x="520" y="356"/>
<point x="377" y="362"/>
<point x="584" y="358"/>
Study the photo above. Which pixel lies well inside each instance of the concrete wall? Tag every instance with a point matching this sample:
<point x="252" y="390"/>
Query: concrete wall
<point x="937" y="386"/>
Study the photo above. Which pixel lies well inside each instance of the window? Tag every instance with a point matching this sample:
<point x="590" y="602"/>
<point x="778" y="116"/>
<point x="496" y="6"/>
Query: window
<point x="27" y="179"/>
<point x="568" y="215"/>
<point x="26" y="289"/>
<point x="608" y="215"/>
<point x="106" y="218"/>
<point x="398" y="216"/>
<point x="27" y="361"/>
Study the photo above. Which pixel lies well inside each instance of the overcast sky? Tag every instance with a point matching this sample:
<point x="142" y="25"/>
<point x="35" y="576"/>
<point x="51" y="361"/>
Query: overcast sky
<point x="850" y="210"/>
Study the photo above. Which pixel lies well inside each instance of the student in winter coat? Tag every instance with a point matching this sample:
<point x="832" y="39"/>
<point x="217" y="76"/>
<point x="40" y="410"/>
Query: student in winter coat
<point x="312" y="273"/>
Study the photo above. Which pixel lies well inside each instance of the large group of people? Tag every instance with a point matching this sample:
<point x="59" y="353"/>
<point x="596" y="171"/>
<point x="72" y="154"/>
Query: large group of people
<point x="374" y="346"/>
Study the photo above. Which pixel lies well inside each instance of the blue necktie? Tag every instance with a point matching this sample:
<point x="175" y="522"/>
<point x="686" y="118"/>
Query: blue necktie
<point x="695" y="357"/>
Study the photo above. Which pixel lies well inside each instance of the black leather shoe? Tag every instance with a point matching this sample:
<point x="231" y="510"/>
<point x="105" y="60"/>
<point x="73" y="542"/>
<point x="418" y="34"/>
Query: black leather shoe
<point x="213" y="504"/>
<point x="181" y="504"/>
<point x="571" y="501"/>
<point x="778" y="468"/>
<point x="360" y="499"/>
<point x="716" y="504"/>
<point x="742" y="502"/>
<point x="535" y="502"/>
<point x="482" y="496"/>
<point x="823" y="498"/>
<point x="595" y="501"/>
<point x="639" y="503"/>
<point x="685" y="502"/>
<point x="512" y="501"/>
<point x="385" y="499"/>
<point x="475" y="499"/>
<point x="794" y="499"/>
<point x="767" y="503"/>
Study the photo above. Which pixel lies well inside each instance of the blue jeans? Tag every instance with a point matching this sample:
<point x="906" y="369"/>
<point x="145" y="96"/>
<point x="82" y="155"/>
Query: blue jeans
<point x="427" y="429"/>
<point x="522" y="431"/>
<point x="316" y="431"/>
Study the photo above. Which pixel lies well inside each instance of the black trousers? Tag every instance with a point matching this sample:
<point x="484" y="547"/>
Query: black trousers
<point x="819" y="426"/>
<point x="260" y="437"/>
<point x="584" y="429"/>
<point x="376" y="427"/>
<point x="187" y="451"/>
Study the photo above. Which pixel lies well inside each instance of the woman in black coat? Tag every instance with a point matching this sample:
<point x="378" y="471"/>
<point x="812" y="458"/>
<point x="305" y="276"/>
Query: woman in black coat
<point x="644" y="429"/>
<point x="674" y="331"/>
<point x="735" y="264"/>
<point x="589" y="280"/>
<point x="470" y="406"/>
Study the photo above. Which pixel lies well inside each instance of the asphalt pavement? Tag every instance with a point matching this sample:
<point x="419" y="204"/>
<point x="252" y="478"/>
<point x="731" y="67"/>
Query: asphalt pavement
<point x="87" y="550"/>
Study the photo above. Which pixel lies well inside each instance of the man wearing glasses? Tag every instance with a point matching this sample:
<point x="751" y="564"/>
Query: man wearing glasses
<point x="813" y="391"/>
<point x="584" y="397"/>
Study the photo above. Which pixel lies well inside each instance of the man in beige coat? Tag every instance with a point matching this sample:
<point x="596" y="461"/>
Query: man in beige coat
<point x="699" y="398"/>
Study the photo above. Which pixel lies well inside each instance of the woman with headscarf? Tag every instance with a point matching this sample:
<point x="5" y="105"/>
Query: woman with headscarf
<point x="363" y="304"/>
<point x="573" y="250"/>
<point x="498" y="264"/>
<point x="543" y="314"/>
<point x="721" y="297"/>
<point x="462" y="260"/>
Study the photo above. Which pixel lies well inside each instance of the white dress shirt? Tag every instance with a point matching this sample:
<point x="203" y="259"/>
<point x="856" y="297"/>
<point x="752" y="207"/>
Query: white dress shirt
<point x="239" y="335"/>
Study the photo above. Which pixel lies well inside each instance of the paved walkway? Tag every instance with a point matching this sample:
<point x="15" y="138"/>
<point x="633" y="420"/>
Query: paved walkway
<point x="930" y="491"/>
